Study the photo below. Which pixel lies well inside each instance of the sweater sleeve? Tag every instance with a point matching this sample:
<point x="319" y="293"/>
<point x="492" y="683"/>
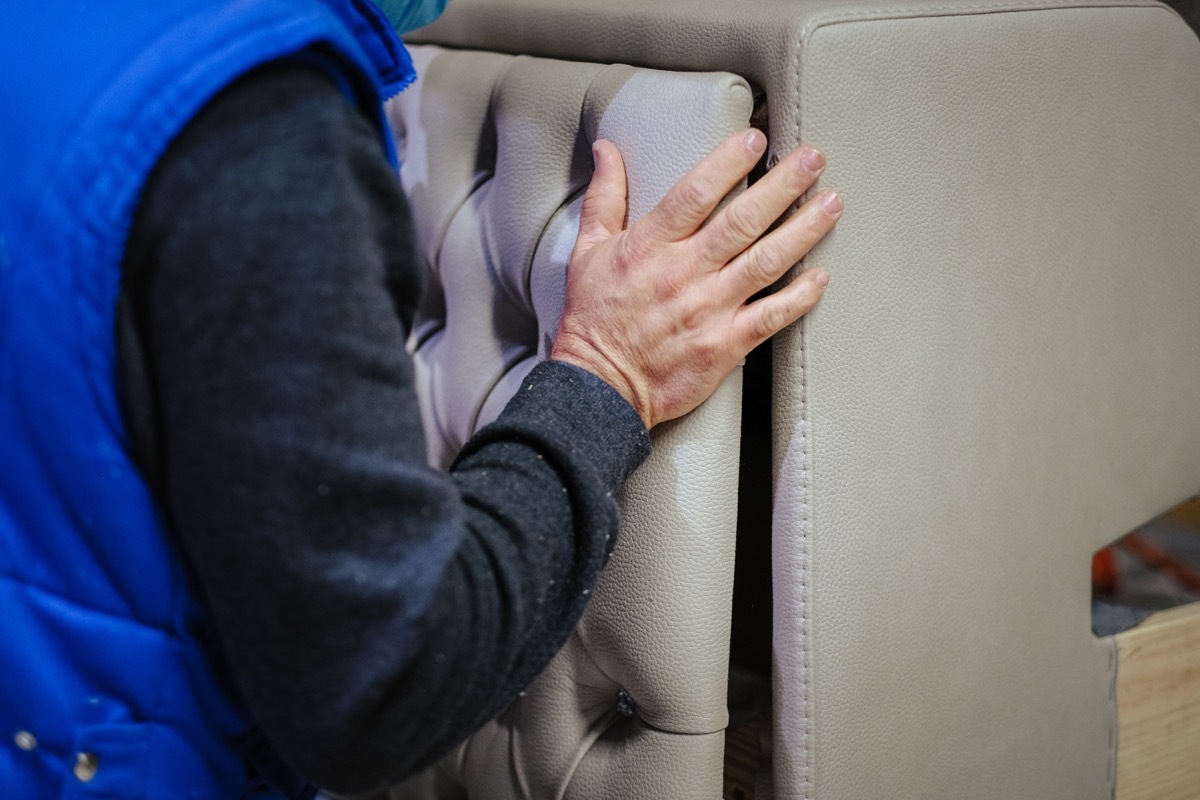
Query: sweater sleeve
<point x="374" y="611"/>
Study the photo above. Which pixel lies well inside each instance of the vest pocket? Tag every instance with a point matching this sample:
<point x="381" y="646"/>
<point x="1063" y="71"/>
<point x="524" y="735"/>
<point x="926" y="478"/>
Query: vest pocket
<point x="109" y="761"/>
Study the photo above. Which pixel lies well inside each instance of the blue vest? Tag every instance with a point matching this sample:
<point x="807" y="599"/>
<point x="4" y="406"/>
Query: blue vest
<point x="111" y="684"/>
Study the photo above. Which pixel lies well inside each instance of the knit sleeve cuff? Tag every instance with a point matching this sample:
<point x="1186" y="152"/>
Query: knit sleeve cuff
<point x="579" y="411"/>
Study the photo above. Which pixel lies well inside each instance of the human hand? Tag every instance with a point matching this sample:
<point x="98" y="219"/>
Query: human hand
<point x="659" y="309"/>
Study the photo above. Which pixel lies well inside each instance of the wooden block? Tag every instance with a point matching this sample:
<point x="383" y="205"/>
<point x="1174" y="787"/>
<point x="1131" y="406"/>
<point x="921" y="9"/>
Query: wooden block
<point x="1188" y="513"/>
<point x="1158" y="707"/>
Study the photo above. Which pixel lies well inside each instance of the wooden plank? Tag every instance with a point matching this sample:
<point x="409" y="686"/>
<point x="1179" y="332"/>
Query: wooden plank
<point x="1158" y="707"/>
<point x="1188" y="513"/>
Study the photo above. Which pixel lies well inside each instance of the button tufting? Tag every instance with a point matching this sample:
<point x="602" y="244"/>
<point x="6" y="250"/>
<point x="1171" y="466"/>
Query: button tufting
<point x="626" y="705"/>
<point x="496" y="182"/>
<point x="26" y="740"/>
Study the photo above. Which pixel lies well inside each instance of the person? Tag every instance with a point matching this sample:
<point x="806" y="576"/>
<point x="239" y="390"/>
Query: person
<point x="223" y="562"/>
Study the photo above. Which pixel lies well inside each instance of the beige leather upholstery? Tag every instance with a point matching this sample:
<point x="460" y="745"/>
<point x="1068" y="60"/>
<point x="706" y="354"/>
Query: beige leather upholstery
<point x="495" y="155"/>
<point x="1002" y="377"/>
<point x="1005" y="381"/>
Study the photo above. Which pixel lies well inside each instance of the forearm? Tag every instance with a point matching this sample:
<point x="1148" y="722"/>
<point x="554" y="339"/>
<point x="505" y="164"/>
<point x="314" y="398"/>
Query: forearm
<point x="512" y="589"/>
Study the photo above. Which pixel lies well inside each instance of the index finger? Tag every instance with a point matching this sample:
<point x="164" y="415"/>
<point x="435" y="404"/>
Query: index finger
<point x="692" y="200"/>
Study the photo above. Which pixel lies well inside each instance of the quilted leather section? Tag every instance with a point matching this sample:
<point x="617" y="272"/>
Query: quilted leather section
<point x="496" y="153"/>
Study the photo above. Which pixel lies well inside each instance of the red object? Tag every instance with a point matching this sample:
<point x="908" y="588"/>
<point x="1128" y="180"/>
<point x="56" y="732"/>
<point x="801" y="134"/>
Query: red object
<point x="1104" y="572"/>
<point x="1154" y="556"/>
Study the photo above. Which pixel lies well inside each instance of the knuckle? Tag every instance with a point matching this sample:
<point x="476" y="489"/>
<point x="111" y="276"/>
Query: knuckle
<point x="770" y="321"/>
<point x="668" y="285"/>
<point x="695" y="318"/>
<point x="693" y="197"/>
<point x="742" y="219"/>
<point x="774" y="318"/>
<point x="768" y="261"/>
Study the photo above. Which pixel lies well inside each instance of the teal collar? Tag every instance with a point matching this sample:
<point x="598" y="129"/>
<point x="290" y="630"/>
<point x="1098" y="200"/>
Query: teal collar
<point x="378" y="38"/>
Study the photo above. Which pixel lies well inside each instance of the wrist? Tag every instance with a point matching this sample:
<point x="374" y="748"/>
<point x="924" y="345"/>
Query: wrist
<point x="570" y="350"/>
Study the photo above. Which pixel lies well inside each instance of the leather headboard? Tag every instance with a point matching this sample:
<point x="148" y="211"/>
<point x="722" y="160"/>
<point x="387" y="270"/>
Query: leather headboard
<point x="495" y="155"/>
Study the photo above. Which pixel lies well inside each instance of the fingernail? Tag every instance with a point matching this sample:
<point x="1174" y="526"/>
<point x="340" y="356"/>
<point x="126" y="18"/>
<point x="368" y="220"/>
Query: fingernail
<point x="755" y="142"/>
<point x="821" y="277"/>
<point x="813" y="160"/>
<point x="832" y="203"/>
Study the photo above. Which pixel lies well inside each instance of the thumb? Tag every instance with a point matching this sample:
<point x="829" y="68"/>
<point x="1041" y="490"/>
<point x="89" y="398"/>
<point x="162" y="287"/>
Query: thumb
<point x="605" y="203"/>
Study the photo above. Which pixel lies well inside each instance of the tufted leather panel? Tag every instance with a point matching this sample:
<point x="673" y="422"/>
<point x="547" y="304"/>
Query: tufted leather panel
<point x="495" y="155"/>
<point x="1001" y="378"/>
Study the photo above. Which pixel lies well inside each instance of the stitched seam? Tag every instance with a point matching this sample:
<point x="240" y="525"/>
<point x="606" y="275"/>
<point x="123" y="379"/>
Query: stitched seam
<point x="806" y="526"/>
<point x="807" y="755"/>
<point x="819" y="22"/>
<point x="481" y="182"/>
<point x="799" y="78"/>
<point x="526" y="302"/>
<point x="595" y="734"/>
<point x="511" y="291"/>
<point x="480" y="179"/>
<point x="574" y="193"/>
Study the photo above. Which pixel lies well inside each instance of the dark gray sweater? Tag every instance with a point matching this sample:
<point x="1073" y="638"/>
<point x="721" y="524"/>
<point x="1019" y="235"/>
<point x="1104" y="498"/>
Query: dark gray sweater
<point x="374" y="612"/>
